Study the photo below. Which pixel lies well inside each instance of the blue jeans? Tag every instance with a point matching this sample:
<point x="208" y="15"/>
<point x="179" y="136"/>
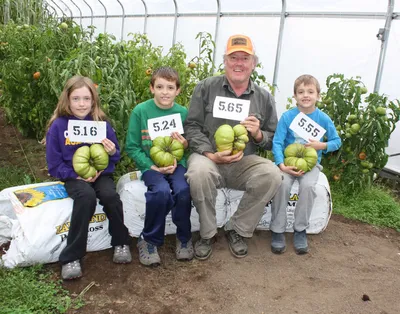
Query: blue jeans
<point x="166" y="193"/>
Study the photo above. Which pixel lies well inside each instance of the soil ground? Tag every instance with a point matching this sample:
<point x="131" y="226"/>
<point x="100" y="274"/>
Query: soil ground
<point x="349" y="261"/>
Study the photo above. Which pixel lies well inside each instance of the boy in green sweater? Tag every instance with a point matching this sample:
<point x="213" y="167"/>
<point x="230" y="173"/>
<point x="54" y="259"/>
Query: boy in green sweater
<point x="167" y="189"/>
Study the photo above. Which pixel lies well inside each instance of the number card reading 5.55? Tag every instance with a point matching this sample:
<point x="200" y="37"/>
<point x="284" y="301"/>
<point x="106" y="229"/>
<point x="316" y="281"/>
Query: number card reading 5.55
<point x="87" y="131"/>
<point x="307" y="128"/>
<point x="164" y="126"/>
<point x="231" y="108"/>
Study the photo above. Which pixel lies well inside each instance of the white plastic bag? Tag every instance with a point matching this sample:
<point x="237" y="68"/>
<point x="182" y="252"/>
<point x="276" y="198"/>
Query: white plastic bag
<point x="39" y="233"/>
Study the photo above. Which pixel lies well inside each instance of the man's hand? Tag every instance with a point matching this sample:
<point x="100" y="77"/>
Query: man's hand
<point x="165" y="170"/>
<point x="317" y="145"/>
<point x="291" y="170"/>
<point x="252" y="125"/>
<point x="224" y="157"/>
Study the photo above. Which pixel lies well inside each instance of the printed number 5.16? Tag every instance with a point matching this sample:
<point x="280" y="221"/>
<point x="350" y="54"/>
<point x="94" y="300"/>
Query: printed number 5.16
<point x="77" y="131"/>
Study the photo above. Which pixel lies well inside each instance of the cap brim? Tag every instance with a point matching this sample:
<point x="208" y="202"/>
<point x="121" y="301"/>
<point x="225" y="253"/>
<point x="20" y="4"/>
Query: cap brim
<point x="250" y="52"/>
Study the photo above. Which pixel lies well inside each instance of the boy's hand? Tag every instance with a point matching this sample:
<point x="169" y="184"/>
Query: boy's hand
<point x="165" y="170"/>
<point x="177" y="136"/>
<point x="109" y="146"/>
<point x="317" y="145"/>
<point x="291" y="170"/>
<point x="224" y="157"/>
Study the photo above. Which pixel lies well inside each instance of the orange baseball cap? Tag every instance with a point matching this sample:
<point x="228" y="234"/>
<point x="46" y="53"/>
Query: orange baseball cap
<point x="239" y="43"/>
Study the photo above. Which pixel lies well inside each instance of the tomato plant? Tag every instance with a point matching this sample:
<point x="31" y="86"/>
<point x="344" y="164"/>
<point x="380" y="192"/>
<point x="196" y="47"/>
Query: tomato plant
<point x="364" y="123"/>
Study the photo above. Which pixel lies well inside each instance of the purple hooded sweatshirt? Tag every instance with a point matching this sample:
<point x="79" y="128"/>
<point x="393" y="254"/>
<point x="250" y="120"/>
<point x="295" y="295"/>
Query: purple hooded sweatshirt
<point x="59" y="149"/>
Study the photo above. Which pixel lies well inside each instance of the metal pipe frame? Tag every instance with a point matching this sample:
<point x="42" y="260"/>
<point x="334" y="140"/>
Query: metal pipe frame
<point x="384" y="37"/>
<point x="62" y="12"/>
<point x="123" y="20"/>
<point x="145" y="17"/>
<point x="176" y="15"/>
<point x="80" y="12"/>
<point x="91" y="12"/>
<point x="106" y="15"/>
<point x="279" y="46"/>
<point x="217" y="23"/>
<point x="67" y="7"/>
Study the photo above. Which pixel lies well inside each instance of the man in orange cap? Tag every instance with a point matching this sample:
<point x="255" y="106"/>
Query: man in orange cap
<point x="231" y="98"/>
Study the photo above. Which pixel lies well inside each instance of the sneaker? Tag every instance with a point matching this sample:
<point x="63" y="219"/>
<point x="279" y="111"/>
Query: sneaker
<point x="122" y="254"/>
<point x="278" y="242"/>
<point x="71" y="270"/>
<point x="184" y="251"/>
<point x="237" y="244"/>
<point x="148" y="254"/>
<point x="300" y="242"/>
<point x="203" y="249"/>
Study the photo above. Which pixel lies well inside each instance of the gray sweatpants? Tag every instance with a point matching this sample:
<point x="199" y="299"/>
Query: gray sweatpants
<point x="257" y="176"/>
<point x="304" y="204"/>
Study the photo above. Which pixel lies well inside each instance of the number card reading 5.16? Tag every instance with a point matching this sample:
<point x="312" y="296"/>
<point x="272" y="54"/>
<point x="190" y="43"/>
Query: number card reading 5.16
<point x="164" y="126"/>
<point x="231" y="108"/>
<point x="307" y="128"/>
<point x="87" y="131"/>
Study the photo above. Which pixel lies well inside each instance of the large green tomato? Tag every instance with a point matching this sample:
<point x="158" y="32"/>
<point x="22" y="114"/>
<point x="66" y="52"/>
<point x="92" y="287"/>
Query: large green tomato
<point x="301" y="157"/>
<point x="88" y="160"/>
<point x="232" y="139"/>
<point x="241" y="138"/>
<point x="224" y="137"/>
<point x="165" y="150"/>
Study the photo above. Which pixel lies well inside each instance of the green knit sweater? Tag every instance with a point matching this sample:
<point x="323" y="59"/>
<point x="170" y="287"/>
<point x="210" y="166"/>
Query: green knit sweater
<point x="138" y="142"/>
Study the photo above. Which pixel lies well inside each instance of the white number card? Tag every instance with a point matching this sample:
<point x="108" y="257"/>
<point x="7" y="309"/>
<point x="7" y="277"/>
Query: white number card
<point x="87" y="131"/>
<point x="231" y="108"/>
<point x="307" y="128"/>
<point x="164" y="126"/>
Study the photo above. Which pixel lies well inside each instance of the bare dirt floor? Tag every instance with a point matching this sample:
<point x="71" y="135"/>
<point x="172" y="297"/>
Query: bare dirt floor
<point x="351" y="268"/>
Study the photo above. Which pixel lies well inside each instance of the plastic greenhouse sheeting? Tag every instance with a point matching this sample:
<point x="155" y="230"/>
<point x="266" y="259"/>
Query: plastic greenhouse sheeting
<point x="317" y="37"/>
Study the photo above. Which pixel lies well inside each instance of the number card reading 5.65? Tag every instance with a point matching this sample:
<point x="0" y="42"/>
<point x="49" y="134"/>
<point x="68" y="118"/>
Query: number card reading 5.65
<point x="87" y="131"/>
<point x="164" y="126"/>
<point x="231" y="108"/>
<point x="307" y="128"/>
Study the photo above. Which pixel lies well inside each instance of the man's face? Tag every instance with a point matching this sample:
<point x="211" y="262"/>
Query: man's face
<point x="239" y="66"/>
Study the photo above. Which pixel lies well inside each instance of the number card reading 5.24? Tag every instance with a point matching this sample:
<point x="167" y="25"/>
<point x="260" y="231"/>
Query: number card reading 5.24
<point x="307" y="128"/>
<point x="231" y="108"/>
<point x="164" y="126"/>
<point x="87" y="131"/>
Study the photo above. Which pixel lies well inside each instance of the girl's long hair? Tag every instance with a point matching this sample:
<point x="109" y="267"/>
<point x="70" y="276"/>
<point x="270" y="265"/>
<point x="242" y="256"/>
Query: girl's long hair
<point x="63" y="108"/>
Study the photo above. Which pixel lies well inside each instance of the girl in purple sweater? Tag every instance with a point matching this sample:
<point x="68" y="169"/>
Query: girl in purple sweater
<point x="80" y="101"/>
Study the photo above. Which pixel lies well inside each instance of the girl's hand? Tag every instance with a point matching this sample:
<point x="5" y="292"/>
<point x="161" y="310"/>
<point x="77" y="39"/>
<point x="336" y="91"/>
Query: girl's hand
<point x="180" y="138"/>
<point x="291" y="170"/>
<point x="91" y="179"/>
<point x="109" y="146"/>
<point x="317" y="145"/>
<point x="165" y="170"/>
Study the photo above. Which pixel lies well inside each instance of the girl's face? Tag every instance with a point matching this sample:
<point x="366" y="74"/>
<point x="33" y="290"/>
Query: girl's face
<point x="80" y="102"/>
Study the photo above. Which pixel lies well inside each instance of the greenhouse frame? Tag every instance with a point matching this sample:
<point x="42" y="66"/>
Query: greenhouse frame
<point x="357" y="38"/>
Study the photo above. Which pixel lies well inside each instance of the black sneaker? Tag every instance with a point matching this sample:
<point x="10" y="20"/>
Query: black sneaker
<point x="203" y="249"/>
<point x="300" y="242"/>
<point x="278" y="242"/>
<point x="237" y="245"/>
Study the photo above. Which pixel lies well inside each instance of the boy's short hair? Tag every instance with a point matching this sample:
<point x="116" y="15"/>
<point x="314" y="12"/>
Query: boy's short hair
<point x="167" y="73"/>
<point x="306" y="79"/>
